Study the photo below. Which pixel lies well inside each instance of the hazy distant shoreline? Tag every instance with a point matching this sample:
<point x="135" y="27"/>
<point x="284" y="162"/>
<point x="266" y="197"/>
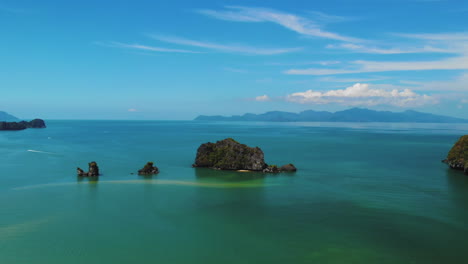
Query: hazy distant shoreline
<point x="350" y="115"/>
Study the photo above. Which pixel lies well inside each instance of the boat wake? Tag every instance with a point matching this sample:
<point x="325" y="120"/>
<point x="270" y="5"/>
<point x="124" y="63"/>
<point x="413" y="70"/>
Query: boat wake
<point x="43" y="152"/>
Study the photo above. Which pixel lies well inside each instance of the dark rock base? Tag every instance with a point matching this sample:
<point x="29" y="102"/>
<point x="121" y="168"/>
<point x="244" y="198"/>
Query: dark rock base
<point x="149" y="169"/>
<point x="93" y="170"/>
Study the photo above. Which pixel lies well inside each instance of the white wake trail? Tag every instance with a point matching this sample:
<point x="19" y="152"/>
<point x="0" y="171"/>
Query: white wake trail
<point x="38" y="151"/>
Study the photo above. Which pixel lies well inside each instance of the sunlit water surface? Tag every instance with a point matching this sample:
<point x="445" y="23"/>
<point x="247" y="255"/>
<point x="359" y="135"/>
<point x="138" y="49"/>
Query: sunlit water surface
<point x="364" y="193"/>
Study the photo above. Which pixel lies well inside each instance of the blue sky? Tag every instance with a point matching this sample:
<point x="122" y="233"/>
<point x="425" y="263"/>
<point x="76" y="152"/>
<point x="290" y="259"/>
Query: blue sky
<point x="178" y="59"/>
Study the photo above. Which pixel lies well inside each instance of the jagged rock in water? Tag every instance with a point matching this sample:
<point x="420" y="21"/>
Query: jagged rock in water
<point x="288" y="168"/>
<point x="81" y="172"/>
<point x="271" y="169"/>
<point x="457" y="157"/>
<point x="149" y="169"/>
<point x="229" y="154"/>
<point x="275" y="169"/>
<point x="93" y="170"/>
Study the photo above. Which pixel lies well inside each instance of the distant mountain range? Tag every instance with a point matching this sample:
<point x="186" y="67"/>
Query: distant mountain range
<point x="350" y="115"/>
<point x="4" y="116"/>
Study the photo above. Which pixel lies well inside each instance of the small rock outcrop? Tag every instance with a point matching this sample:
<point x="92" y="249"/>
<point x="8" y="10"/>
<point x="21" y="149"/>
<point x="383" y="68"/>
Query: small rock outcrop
<point x="229" y="154"/>
<point x="93" y="170"/>
<point x="275" y="169"/>
<point x="36" y="123"/>
<point x="149" y="169"/>
<point x="271" y="169"/>
<point x="288" y="167"/>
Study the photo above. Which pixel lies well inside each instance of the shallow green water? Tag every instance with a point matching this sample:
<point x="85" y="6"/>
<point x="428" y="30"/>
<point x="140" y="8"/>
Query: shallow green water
<point x="364" y="193"/>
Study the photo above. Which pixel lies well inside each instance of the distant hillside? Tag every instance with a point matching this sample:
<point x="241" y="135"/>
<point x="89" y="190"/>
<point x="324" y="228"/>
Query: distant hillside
<point x="4" y="116"/>
<point x="350" y="115"/>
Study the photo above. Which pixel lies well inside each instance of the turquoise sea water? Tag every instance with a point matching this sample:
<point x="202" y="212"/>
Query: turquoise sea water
<point x="364" y="193"/>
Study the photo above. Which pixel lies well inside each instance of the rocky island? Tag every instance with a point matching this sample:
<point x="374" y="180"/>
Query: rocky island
<point x="93" y="170"/>
<point x="457" y="157"/>
<point x="36" y="123"/>
<point x="149" y="169"/>
<point x="228" y="154"/>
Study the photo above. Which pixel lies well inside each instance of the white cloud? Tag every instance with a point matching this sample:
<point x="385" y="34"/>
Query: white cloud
<point x="457" y="36"/>
<point x="132" y="110"/>
<point x="460" y="84"/>
<point x="323" y="63"/>
<point x="455" y="43"/>
<point x="350" y="80"/>
<point x="144" y="47"/>
<point x="326" y="18"/>
<point x="454" y="63"/>
<point x="223" y="47"/>
<point x="374" y="50"/>
<point x="298" y="24"/>
<point x="262" y="98"/>
<point x="362" y="94"/>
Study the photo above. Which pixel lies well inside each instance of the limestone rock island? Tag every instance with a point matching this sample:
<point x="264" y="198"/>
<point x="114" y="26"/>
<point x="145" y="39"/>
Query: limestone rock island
<point x="36" y="123"/>
<point x="228" y="154"/>
<point x="149" y="169"/>
<point x="93" y="170"/>
<point x="457" y="157"/>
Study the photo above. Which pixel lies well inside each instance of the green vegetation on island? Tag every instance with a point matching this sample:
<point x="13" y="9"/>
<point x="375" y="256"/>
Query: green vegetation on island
<point x="457" y="157"/>
<point x="228" y="154"/>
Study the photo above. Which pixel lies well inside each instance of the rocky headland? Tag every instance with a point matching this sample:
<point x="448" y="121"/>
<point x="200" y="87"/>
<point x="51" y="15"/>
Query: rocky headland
<point x="93" y="170"/>
<point x="457" y="158"/>
<point x="36" y="123"/>
<point x="228" y="154"/>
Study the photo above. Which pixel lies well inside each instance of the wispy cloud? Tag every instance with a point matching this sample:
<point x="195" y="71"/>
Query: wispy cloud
<point x="350" y="80"/>
<point x="323" y="63"/>
<point x="455" y="36"/>
<point x="458" y="84"/>
<point x="455" y="43"/>
<point x="132" y="110"/>
<point x="296" y="23"/>
<point x="327" y="18"/>
<point x="365" y="49"/>
<point x="455" y="63"/>
<point x="262" y="98"/>
<point x="362" y="94"/>
<point x="143" y="47"/>
<point x="231" y="48"/>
